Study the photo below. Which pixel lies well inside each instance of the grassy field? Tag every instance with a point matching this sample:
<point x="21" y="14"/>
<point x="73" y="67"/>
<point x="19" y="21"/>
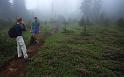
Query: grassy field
<point x="99" y="54"/>
<point x="8" y="45"/>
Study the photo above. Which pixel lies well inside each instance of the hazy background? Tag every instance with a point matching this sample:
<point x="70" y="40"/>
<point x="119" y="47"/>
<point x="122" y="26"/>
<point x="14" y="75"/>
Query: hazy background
<point x="46" y="10"/>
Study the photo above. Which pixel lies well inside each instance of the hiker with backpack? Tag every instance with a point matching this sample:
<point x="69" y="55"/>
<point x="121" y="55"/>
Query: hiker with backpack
<point x="16" y="32"/>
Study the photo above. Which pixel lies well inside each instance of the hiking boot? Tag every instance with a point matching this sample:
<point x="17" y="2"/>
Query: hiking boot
<point x="37" y="42"/>
<point x="27" y="59"/>
<point x="20" y="57"/>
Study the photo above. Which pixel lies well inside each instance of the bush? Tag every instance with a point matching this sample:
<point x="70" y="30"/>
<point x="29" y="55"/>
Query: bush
<point x="120" y="24"/>
<point x="7" y="48"/>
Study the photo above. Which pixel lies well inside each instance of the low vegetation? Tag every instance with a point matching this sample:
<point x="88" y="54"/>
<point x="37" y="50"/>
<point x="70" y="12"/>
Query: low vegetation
<point x="8" y="46"/>
<point x="70" y="54"/>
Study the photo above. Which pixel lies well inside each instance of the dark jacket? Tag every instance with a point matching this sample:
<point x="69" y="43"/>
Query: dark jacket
<point x="19" y="29"/>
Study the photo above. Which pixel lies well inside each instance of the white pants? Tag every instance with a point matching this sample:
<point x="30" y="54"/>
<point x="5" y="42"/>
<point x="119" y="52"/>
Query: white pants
<point x="21" y="47"/>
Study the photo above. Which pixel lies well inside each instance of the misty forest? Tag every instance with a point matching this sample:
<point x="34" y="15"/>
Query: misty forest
<point x="61" y="38"/>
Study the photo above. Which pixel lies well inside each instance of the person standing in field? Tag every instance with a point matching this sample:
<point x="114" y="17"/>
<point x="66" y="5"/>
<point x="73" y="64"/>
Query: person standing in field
<point x="21" y="47"/>
<point x="35" y="29"/>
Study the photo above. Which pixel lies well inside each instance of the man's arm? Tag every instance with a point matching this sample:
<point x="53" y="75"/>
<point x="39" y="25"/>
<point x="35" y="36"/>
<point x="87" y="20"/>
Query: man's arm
<point x="31" y="27"/>
<point x="39" y="26"/>
<point x="23" y="27"/>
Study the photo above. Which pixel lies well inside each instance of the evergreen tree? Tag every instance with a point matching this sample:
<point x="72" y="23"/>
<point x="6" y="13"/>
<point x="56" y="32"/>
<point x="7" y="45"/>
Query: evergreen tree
<point x="20" y="8"/>
<point x="5" y="10"/>
<point x="120" y="22"/>
<point x="91" y="10"/>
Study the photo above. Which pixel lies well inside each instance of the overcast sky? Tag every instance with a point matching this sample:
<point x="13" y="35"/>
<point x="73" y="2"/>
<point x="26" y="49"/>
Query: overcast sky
<point x="65" y="8"/>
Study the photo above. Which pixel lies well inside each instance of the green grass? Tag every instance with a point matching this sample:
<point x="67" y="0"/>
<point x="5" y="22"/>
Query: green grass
<point x="8" y="45"/>
<point x="99" y="54"/>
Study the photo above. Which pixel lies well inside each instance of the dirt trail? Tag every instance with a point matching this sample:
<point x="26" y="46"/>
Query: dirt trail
<point x="18" y="67"/>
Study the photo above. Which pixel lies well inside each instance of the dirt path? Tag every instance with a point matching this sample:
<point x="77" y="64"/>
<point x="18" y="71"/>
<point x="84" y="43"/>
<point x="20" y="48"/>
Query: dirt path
<point x="18" y="67"/>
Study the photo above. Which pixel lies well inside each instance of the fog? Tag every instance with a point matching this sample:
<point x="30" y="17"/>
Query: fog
<point x="54" y="8"/>
<point x="62" y="9"/>
<point x="114" y="8"/>
<point x="47" y="9"/>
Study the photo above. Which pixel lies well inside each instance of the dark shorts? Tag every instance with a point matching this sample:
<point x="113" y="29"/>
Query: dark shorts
<point x="35" y="31"/>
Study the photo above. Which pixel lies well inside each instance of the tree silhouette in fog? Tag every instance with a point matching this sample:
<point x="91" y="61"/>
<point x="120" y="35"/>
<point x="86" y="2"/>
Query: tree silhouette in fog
<point x="9" y="11"/>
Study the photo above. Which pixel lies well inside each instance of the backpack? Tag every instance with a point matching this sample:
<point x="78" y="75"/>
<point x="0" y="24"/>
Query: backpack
<point x="12" y="32"/>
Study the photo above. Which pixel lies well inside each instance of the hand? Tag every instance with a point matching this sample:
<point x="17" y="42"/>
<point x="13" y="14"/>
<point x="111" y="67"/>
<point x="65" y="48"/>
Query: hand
<point x="30" y="30"/>
<point x="23" y="22"/>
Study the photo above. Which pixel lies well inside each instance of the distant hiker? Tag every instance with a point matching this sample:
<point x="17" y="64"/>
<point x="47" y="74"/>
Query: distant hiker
<point x="35" y="26"/>
<point x="17" y="31"/>
<point x="35" y="29"/>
